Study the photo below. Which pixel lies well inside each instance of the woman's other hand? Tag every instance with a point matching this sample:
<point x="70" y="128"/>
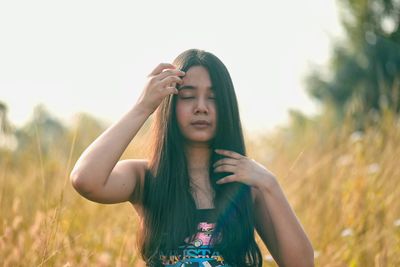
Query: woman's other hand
<point x="243" y="169"/>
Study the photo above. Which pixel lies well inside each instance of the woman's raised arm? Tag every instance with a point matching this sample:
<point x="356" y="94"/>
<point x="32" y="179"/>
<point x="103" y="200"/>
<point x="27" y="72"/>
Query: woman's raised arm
<point x="97" y="175"/>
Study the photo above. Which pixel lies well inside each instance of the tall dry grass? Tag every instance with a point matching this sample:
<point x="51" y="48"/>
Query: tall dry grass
<point x="343" y="186"/>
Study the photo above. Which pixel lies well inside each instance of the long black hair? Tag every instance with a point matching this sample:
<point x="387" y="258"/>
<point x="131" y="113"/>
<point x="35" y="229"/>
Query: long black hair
<point x="169" y="208"/>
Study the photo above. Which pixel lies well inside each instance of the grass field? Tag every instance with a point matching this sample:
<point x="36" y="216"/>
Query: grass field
<point x="342" y="184"/>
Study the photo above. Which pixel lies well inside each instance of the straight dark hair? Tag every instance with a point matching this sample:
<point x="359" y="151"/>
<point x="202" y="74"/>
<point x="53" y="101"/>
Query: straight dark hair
<point x="169" y="209"/>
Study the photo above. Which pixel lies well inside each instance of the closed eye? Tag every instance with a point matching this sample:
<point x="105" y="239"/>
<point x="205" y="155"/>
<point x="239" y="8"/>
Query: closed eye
<point x="191" y="97"/>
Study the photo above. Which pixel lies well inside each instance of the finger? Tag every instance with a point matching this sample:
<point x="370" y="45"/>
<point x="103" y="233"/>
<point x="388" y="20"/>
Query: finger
<point x="172" y="90"/>
<point x="225" y="168"/>
<point x="227" y="179"/>
<point x="228" y="153"/>
<point x="171" y="79"/>
<point x="228" y="161"/>
<point x="170" y="72"/>
<point x="161" y="67"/>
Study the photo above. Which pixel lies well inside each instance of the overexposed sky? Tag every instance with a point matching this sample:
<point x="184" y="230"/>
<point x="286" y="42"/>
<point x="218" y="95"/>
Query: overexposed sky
<point x="94" y="56"/>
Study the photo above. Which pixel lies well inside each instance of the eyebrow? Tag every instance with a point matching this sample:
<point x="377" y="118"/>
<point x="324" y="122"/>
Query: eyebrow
<point x="191" y="87"/>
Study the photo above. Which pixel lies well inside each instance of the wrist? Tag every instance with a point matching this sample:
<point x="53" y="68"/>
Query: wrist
<point x="143" y="109"/>
<point x="268" y="185"/>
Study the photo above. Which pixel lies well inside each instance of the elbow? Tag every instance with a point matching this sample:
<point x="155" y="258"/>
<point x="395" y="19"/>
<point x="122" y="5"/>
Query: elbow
<point x="311" y="262"/>
<point x="311" y="256"/>
<point x="305" y="262"/>
<point x="308" y="261"/>
<point x="80" y="183"/>
<point x="305" y="259"/>
<point x="308" y="258"/>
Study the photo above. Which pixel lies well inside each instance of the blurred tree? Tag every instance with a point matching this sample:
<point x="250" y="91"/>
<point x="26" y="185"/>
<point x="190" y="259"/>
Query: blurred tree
<point x="5" y="125"/>
<point x="364" y="72"/>
<point x="7" y="139"/>
<point x="41" y="129"/>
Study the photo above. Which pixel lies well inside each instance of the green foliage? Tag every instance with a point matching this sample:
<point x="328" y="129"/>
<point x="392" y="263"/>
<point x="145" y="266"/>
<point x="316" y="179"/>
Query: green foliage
<point x="366" y="65"/>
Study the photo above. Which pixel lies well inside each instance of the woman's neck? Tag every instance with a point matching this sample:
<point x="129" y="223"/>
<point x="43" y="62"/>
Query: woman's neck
<point x="198" y="157"/>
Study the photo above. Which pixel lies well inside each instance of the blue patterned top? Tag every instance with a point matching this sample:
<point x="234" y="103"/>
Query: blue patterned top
<point x="200" y="251"/>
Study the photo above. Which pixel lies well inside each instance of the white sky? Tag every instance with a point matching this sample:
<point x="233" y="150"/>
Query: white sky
<point x="94" y="56"/>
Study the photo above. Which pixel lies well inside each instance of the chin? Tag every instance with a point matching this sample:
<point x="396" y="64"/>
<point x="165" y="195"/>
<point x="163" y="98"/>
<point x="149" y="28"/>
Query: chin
<point x="200" y="137"/>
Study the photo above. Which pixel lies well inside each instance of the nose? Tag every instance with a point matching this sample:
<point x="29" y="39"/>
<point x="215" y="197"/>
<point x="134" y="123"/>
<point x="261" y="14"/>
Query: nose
<point x="201" y="105"/>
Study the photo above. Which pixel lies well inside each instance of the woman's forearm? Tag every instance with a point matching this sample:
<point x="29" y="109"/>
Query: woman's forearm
<point x="294" y="247"/>
<point x="97" y="161"/>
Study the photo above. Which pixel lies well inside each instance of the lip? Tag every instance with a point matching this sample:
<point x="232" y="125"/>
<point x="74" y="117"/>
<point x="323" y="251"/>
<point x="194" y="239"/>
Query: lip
<point x="200" y="122"/>
<point x="200" y="125"/>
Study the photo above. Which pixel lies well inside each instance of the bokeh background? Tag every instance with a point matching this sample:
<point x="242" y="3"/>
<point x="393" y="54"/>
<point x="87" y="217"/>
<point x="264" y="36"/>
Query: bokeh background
<point x="318" y="85"/>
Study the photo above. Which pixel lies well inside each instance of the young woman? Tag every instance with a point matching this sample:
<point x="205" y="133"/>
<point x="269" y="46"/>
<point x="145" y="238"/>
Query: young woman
<point x="198" y="196"/>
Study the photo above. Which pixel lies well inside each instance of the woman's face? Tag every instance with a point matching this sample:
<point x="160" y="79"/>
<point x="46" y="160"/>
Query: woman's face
<point x="196" y="102"/>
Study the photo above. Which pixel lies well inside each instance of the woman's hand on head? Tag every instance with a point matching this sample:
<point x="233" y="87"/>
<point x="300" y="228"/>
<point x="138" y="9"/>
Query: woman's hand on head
<point x="243" y="169"/>
<point x="161" y="83"/>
